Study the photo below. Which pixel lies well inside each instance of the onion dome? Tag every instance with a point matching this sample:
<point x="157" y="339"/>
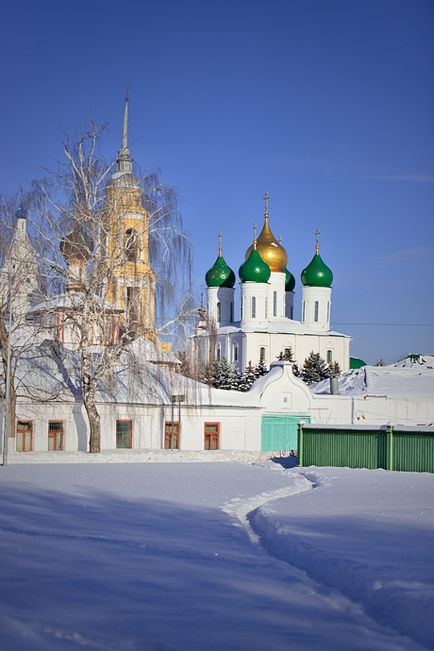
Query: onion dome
<point x="76" y="246"/>
<point x="254" y="269"/>
<point x="271" y="251"/>
<point x="220" y="274"/>
<point x="289" y="281"/>
<point x="21" y="213"/>
<point x="317" y="273"/>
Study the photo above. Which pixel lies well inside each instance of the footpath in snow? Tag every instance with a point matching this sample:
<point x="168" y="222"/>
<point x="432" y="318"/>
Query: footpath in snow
<point x="216" y="556"/>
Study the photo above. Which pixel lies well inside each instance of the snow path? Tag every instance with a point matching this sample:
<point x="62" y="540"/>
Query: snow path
<point x="146" y="557"/>
<point x="362" y="536"/>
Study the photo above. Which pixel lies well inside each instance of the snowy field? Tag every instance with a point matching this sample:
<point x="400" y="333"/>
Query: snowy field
<point x="215" y="556"/>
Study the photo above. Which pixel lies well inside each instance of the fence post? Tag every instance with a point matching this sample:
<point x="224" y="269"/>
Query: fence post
<point x="300" y="444"/>
<point x="390" y="459"/>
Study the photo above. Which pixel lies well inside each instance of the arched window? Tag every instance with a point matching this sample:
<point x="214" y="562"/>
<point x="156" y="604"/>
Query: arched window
<point x="231" y="314"/>
<point x="328" y="311"/>
<point x="304" y="311"/>
<point x="329" y="356"/>
<point x="262" y="354"/>
<point x="235" y="353"/>
<point x="253" y="307"/>
<point x="316" y="312"/>
<point x="218" y="353"/>
<point x="131" y="245"/>
<point x="219" y="312"/>
<point x="274" y="303"/>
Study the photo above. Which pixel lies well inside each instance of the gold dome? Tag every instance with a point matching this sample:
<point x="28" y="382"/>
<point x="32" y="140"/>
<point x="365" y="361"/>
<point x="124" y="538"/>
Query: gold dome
<point x="269" y="248"/>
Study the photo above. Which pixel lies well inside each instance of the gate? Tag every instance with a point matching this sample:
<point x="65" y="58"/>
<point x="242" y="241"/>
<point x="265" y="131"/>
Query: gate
<point x="280" y="432"/>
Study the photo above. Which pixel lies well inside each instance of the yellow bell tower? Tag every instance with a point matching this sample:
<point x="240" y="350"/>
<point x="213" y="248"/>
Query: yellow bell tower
<point x="132" y="281"/>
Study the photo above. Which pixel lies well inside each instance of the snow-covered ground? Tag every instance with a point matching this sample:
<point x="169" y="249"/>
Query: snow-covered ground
<point x="215" y="556"/>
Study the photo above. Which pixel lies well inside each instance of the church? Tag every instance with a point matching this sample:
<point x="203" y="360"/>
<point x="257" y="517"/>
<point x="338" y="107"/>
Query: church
<point x="267" y="328"/>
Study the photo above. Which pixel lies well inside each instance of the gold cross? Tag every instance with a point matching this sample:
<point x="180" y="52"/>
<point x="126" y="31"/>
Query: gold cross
<point x="266" y="198"/>
<point x="220" y="236"/>
<point x="317" y="234"/>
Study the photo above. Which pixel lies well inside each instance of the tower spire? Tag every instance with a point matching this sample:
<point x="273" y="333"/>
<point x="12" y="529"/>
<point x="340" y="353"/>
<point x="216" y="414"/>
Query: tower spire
<point x="124" y="161"/>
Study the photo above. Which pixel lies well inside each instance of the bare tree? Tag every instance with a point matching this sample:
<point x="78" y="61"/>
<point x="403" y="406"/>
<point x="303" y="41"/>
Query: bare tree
<point x="115" y="231"/>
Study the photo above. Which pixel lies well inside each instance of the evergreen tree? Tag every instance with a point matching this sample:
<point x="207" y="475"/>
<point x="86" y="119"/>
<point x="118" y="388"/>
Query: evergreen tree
<point x="334" y="369"/>
<point x="247" y="378"/>
<point x="260" y="369"/>
<point x="314" y="369"/>
<point x="296" y="370"/>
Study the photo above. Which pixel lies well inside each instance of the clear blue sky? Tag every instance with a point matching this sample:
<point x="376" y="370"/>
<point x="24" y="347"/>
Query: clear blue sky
<point x="326" y="104"/>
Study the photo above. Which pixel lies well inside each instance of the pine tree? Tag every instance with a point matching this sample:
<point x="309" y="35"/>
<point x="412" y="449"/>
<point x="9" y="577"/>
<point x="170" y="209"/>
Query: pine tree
<point x="334" y="369"/>
<point x="247" y="378"/>
<point x="260" y="369"/>
<point x="314" y="369"/>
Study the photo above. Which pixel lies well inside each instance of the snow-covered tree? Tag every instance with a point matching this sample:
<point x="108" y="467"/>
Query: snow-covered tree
<point x="334" y="369"/>
<point x="247" y="378"/>
<point x="314" y="369"/>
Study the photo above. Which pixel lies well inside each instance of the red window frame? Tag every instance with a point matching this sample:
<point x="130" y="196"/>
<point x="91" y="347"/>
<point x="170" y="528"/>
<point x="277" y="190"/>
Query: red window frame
<point x="208" y="443"/>
<point x="62" y="446"/>
<point x="22" y="430"/>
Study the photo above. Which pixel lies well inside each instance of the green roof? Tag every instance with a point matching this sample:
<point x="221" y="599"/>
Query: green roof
<point x="356" y="362"/>
<point x="254" y="269"/>
<point x="220" y="274"/>
<point x="317" y="273"/>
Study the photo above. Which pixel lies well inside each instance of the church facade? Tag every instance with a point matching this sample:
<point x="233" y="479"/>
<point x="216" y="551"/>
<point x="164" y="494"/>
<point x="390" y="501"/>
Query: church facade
<point x="267" y="328"/>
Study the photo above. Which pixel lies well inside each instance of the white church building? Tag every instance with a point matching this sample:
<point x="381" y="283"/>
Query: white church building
<point x="267" y="327"/>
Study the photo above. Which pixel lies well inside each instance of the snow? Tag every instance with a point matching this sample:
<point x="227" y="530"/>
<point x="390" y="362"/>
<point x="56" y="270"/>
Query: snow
<point x="404" y="379"/>
<point x="217" y="556"/>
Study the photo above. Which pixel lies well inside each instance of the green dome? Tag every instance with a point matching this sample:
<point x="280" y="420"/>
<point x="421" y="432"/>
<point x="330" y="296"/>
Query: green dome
<point x="220" y="274"/>
<point x="289" y="281"/>
<point x="254" y="269"/>
<point x="317" y="273"/>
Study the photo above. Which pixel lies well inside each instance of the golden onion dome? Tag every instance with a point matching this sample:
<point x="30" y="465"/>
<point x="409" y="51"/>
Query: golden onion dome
<point x="270" y="250"/>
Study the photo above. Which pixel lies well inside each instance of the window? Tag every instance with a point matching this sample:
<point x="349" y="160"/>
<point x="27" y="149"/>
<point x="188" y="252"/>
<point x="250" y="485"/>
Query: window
<point x="124" y="433"/>
<point x="24" y="436"/>
<point x="219" y="312"/>
<point x="171" y="435"/>
<point x="131" y="245"/>
<point x="253" y="307"/>
<point x="291" y="315"/>
<point x="262" y="354"/>
<point x="133" y="304"/>
<point x="274" y="303"/>
<point x="218" y="353"/>
<point x="304" y="310"/>
<point x="266" y="307"/>
<point x="212" y="436"/>
<point x="328" y="311"/>
<point x="235" y="352"/>
<point x="316" y="311"/>
<point x="329" y="356"/>
<point x="55" y="435"/>
<point x="231" y="316"/>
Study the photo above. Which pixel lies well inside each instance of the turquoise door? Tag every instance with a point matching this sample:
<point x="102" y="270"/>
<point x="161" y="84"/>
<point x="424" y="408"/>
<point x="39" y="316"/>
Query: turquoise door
<point x="280" y="432"/>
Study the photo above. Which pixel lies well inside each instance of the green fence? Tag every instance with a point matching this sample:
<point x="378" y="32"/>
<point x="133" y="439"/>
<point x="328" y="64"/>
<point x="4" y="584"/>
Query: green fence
<point x="391" y="448"/>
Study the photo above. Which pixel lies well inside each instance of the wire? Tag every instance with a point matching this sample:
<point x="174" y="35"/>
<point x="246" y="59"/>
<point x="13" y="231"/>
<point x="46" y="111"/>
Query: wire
<point x="404" y="325"/>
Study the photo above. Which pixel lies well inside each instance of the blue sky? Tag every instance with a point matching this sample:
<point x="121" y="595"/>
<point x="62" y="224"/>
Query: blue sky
<point x="327" y="105"/>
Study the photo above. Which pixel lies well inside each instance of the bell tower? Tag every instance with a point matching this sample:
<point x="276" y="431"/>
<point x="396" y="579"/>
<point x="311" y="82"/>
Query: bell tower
<point x="132" y="281"/>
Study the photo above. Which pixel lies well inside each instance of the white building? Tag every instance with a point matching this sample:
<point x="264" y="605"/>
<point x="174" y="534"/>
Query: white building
<point x="267" y="327"/>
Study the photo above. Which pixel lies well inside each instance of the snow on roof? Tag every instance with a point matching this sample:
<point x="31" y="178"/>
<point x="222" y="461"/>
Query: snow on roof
<point x="409" y="378"/>
<point x="71" y="300"/>
<point x="281" y="326"/>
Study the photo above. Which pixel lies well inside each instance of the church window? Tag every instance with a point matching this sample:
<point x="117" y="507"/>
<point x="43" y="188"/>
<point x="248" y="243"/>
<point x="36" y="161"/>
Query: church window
<point x="124" y="433"/>
<point x="219" y="312"/>
<point x="316" y="312"/>
<point x="262" y="354"/>
<point x="24" y="436"/>
<point x="328" y="311"/>
<point x="291" y="314"/>
<point x="274" y="303"/>
<point x="55" y="435"/>
<point x="253" y="307"/>
<point x="212" y="436"/>
<point x="131" y="245"/>
<point x="171" y="435"/>
<point x="133" y="304"/>
<point x="242" y="307"/>
<point x="231" y="315"/>
<point x="304" y="311"/>
<point x="329" y="356"/>
<point x="235" y="352"/>
<point x="218" y="353"/>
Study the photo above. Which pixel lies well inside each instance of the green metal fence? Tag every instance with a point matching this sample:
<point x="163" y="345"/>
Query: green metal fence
<point x="391" y="448"/>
